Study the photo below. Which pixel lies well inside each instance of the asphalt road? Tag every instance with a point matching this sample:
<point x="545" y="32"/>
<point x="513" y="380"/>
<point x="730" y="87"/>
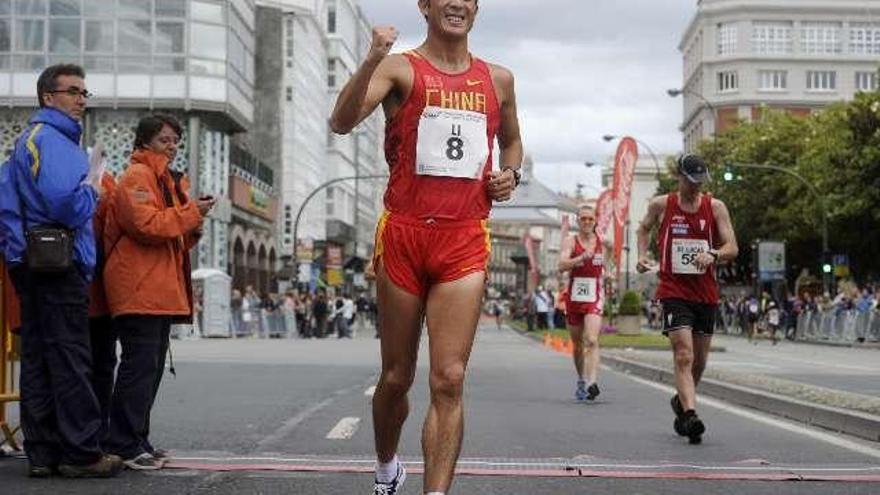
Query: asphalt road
<point x="253" y="416"/>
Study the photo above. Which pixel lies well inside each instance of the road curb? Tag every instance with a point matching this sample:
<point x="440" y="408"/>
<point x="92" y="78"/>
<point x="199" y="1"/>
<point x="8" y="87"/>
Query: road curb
<point x="861" y="425"/>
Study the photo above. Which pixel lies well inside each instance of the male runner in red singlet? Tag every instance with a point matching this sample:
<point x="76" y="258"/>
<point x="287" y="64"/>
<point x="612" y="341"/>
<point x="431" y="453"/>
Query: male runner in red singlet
<point x="695" y="234"/>
<point x="582" y="255"/>
<point x="444" y="109"/>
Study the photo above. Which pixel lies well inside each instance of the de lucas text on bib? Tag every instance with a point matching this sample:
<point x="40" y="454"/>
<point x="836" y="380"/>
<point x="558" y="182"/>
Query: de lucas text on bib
<point x="684" y="254"/>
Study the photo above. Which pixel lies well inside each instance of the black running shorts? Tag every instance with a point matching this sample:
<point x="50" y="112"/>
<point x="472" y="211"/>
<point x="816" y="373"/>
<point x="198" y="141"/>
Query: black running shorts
<point x="679" y="314"/>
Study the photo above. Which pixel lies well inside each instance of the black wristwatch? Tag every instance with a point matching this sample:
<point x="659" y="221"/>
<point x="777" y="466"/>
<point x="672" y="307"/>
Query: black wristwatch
<point x="516" y="175"/>
<point x="713" y="254"/>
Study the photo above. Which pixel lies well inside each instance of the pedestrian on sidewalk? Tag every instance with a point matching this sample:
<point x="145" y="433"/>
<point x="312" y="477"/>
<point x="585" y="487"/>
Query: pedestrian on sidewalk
<point x="498" y="313"/>
<point x="774" y="318"/>
<point x="695" y="234"/>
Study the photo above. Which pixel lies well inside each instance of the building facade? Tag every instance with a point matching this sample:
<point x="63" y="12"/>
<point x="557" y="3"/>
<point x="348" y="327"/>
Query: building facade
<point x="308" y="50"/>
<point x="352" y="206"/>
<point x="536" y="212"/>
<point x="741" y="56"/>
<point x="190" y="58"/>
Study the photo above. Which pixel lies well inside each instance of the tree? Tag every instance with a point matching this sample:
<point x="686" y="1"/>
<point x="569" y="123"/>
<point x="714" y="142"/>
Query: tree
<point x="837" y="149"/>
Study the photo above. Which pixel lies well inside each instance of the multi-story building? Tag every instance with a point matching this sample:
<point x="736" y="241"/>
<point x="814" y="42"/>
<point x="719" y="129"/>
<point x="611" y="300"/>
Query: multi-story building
<point x="190" y="58"/>
<point x="741" y="56"/>
<point x="352" y="206"/>
<point x="291" y="115"/>
<point x="308" y="50"/>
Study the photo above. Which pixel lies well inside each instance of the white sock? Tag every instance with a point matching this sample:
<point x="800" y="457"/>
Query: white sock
<point x="385" y="472"/>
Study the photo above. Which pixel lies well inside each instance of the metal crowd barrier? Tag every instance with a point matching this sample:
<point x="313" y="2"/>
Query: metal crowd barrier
<point x="839" y="326"/>
<point x="8" y="357"/>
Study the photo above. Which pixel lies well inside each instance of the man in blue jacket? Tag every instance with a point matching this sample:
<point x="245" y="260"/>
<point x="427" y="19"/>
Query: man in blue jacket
<point x="48" y="182"/>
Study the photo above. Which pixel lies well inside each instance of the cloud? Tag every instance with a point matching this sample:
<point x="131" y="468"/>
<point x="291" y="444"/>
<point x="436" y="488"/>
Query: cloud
<point x="583" y="68"/>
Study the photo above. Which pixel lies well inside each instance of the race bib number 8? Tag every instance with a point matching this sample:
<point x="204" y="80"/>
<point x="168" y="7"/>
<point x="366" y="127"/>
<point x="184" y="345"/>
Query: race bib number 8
<point x="684" y="254"/>
<point x="583" y="290"/>
<point x="451" y="143"/>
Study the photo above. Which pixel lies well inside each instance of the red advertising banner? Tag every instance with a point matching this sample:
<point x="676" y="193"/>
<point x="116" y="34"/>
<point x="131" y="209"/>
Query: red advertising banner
<point x="566" y="227"/>
<point x="624" y="168"/>
<point x="604" y="213"/>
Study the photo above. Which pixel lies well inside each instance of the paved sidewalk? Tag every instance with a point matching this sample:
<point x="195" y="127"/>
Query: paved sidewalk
<point x="840" y="377"/>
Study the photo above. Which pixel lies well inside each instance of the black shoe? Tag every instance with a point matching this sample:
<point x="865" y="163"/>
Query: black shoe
<point x="107" y="466"/>
<point x="36" y="471"/>
<point x="679" y="428"/>
<point x="693" y="427"/>
<point x="592" y="391"/>
<point x="679" y="412"/>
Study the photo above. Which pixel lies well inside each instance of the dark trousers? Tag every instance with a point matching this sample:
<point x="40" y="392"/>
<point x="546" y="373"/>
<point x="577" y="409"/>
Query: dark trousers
<point x="103" y="339"/>
<point x="60" y="415"/>
<point x="320" y="330"/>
<point x="144" y="340"/>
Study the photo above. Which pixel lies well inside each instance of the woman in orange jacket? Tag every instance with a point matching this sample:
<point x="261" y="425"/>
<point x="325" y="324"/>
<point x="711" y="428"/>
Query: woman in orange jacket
<point x="151" y="226"/>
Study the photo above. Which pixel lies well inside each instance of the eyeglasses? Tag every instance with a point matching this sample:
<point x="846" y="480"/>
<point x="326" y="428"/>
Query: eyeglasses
<point x="74" y="92"/>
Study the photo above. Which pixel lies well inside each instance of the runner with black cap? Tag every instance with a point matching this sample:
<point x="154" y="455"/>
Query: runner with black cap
<point x="695" y="234"/>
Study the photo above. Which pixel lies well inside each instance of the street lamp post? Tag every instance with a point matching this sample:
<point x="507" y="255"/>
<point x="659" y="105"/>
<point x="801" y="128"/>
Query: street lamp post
<point x="819" y="199"/>
<point x="305" y="203"/>
<point x="675" y="92"/>
<point x="610" y="137"/>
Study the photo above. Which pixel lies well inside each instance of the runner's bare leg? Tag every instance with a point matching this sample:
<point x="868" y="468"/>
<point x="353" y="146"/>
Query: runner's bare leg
<point x="683" y="355"/>
<point x="400" y="320"/>
<point x="453" y="311"/>
<point x="577" y="339"/>
<point x="702" y="344"/>
<point x="592" y="326"/>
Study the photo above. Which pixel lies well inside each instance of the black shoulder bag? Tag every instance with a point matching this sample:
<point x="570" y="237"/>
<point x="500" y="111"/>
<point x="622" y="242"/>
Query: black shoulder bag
<point x="48" y="248"/>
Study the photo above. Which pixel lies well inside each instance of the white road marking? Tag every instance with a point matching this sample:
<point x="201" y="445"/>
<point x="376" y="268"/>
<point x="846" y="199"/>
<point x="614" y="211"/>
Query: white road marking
<point x="735" y="364"/>
<point x="370" y="391"/>
<point x="535" y="463"/>
<point x="777" y="423"/>
<point x="344" y="429"/>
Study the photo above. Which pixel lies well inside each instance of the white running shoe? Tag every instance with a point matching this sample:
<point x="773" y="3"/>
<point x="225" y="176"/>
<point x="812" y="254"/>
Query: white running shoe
<point x="394" y="486"/>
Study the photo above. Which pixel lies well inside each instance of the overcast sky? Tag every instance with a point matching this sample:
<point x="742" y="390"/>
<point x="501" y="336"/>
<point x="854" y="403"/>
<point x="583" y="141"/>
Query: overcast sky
<point x="583" y="68"/>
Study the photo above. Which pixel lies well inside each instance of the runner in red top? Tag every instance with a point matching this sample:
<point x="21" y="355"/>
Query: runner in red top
<point x="695" y="234"/>
<point x="444" y="109"/>
<point x="582" y="255"/>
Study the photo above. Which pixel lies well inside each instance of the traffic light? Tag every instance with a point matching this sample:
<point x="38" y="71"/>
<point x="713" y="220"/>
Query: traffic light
<point x="827" y="267"/>
<point x="728" y="173"/>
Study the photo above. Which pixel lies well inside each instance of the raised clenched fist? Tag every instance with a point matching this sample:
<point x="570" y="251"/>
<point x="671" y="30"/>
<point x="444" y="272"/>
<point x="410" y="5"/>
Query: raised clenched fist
<point x="383" y="39"/>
